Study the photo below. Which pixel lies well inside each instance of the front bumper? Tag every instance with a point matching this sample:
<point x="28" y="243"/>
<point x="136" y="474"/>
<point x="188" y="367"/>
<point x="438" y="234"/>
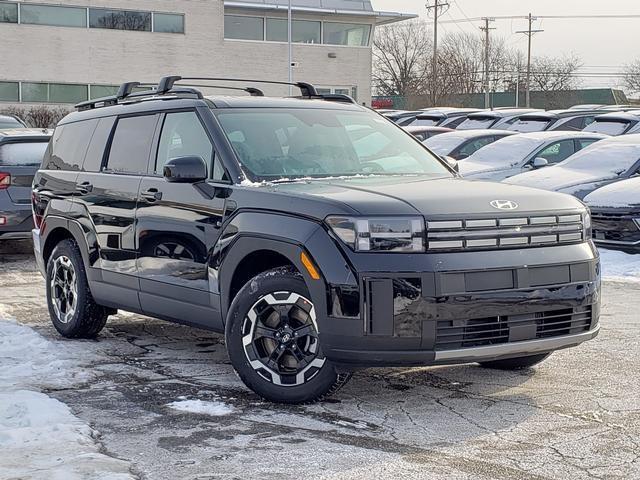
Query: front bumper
<point x="502" y="305"/>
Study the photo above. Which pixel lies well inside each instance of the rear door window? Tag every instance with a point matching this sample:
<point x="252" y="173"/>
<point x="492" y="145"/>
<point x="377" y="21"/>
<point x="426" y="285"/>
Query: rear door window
<point x="557" y="151"/>
<point x="22" y="154"/>
<point x="131" y="144"/>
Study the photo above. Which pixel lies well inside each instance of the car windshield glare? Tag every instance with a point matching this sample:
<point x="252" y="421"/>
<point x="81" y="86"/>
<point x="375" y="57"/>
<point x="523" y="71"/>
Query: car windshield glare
<point x="605" y="157"/>
<point x="281" y="144"/>
<point x="506" y="151"/>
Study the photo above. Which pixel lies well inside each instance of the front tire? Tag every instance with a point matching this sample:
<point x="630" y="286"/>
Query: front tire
<point x="518" y="363"/>
<point x="73" y="312"/>
<point x="272" y="340"/>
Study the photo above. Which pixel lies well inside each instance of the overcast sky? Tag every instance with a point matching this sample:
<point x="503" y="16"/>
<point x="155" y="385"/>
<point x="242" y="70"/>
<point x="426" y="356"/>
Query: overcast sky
<point x="604" y="45"/>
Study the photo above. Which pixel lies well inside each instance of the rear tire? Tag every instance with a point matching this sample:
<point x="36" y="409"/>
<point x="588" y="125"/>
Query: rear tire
<point x="518" y="363"/>
<point x="72" y="309"/>
<point x="272" y="340"/>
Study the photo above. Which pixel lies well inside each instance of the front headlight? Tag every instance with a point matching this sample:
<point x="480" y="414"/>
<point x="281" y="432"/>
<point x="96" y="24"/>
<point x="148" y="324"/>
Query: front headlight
<point x="380" y="234"/>
<point x="586" y="224"/>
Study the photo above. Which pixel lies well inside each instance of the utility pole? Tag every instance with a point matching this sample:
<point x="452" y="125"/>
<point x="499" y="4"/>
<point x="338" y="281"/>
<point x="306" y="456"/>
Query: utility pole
<point x="487" y="87"/>
<point x="530" y="32"/>
<point x="289" y="41"/>
<point x="434" y="65"/>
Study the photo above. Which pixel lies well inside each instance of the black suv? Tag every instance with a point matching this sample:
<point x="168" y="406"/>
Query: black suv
<point x="272" y="221"/>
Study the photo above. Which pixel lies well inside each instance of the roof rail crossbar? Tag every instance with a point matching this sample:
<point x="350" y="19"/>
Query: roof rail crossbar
<point x="306" y="89"/>
<point x="126" y="89"/>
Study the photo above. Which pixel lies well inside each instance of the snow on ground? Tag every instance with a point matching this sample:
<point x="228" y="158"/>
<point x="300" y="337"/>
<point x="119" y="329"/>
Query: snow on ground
<point x="215" y="408"/>
<point x="620" y="266"/>
<point x="40" y="438"/>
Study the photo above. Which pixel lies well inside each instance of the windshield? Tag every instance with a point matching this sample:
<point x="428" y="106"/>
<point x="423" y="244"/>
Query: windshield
<point x="280" y="144"/>
<point x="523" y="125"/>
<point x="425" y="121"/>
<point x="606" y="157"/>
<point x="22" y="154"/>
<point x="476" y="123"/>
<point x="506" y="151"/>
<point x="610" y="127"/>
<point x="444" y="144"/>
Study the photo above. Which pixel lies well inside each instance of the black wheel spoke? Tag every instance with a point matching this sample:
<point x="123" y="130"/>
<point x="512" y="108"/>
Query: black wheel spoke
<point x="297" y="353"/>
<point x="274" y="358"/>
<point x="305" y="330"/>
<point x="264" y="332"/>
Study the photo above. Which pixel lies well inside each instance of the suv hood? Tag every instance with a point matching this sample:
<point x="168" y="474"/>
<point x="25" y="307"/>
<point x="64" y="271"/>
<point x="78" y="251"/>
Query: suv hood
<point x="430" y="197"/>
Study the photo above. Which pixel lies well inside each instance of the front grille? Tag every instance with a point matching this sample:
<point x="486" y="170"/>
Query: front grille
<point x="615" y="227"/>
<point x="504" y="232"/>
<point x="454" y="334"/>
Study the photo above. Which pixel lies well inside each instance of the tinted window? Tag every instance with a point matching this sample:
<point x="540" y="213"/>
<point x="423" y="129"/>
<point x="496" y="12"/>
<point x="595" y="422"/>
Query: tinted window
<point x="585" y="142"/>
<point x="302" y="31"/>
<point x="243" y="28"/>
<point x="558" y="151"/>
<point x="9" y="12"/>
<point x="168" y="23"/>
<point x="455" y="122"/>
<point x="69" y="145"/>
<point x="95" y="153"/>
<point x="23" y="153"/>
<point x="472" y="147"/>
<point x="131" y="144"/>
<point x="53" y="15"/>
<point x="183" y="135"/>
<point x="119" y="19"/>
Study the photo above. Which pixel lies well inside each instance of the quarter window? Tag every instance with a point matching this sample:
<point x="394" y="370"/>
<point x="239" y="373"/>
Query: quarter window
<point x="69" y="145"/>
<point x="131" y="144"/>
<point x="53" y="15"/>
<point x="119" y="19"/>
<point x="346" y="34"/>
<point x="183" y="135"/>
<point x="302" y="31"/>
<point x="8" y="12"/>
<point x="243" y="28"/>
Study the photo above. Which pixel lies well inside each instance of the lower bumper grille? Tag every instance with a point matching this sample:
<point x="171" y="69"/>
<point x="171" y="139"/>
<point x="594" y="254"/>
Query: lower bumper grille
<point x="616" y="227"/>
<point x="455" y="334"/>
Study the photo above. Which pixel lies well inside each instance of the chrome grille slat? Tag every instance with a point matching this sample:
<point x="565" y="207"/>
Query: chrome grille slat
<point x="504" y="232"/>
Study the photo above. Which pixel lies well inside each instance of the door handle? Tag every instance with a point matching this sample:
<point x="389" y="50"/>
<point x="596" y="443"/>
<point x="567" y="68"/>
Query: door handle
<point x="84" y="187"/>
<point x="152" y="195"/>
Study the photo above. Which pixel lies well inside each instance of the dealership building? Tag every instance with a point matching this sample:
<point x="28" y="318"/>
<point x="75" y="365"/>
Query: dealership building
<point x="66" y="51"/>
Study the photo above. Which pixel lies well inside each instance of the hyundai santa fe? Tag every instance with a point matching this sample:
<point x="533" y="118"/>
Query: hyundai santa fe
<point x="265" y="219"/>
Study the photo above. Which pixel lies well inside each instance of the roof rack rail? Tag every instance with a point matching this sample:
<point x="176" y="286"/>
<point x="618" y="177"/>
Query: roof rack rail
<point x="166" y="83"/>
<point x="124" y="91"/>
<point x="337" y="97"/>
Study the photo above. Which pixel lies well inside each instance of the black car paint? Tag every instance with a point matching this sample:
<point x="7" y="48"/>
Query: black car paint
<point x="227" y="226"/>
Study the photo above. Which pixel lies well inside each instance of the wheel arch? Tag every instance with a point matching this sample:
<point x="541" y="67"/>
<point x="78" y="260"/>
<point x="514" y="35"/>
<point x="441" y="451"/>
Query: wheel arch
<point x="58" y="229"/>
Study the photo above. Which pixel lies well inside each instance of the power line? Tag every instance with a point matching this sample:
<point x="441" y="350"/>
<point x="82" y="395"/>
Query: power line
<point x="551" y="17"/>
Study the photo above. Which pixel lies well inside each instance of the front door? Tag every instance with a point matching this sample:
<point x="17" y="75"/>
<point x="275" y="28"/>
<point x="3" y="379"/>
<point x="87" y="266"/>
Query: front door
<point x="177" y="224"/>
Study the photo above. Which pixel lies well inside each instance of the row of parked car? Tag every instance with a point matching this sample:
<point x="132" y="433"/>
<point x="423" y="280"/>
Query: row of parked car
<point x="591" y="152"/>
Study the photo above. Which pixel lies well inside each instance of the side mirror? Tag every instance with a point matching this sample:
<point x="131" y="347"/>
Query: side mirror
<point x="189" y="169"/>
<point x="452" y="162"/>
<point x="540" y="162"/>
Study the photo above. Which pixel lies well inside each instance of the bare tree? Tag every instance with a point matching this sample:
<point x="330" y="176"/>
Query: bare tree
<point x="632" y="76"/>
<point x="401" y="58"/>
<point x="550" y="74"/>
<point x="39" y="116"/>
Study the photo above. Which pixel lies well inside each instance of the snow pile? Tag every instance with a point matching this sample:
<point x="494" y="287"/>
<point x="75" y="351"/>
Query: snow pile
<point x="215" y="409"/>
<point x="620" y="266"/>
<point x="40" y="438"/>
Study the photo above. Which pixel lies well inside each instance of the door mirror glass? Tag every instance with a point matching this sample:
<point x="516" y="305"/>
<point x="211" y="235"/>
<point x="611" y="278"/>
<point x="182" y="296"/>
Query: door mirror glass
<point x="540" y="162"/>
<point x="189" y="169"/>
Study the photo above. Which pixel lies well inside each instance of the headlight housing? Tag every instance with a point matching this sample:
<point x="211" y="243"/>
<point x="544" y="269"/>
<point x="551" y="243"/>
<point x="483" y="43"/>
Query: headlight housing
<point x="380" y="234"/>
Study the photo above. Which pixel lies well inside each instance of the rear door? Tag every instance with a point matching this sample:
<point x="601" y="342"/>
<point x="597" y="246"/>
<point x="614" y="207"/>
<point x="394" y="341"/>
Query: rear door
<point x="106" y="197"/>
<point x="177" y="224"/>
<point x="19" y="161"/>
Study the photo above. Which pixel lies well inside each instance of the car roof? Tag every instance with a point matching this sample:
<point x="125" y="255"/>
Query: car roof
<point x="632" y="139"/>
<point x="246" y="101"/>
<point x="561" y="134"/>
<point x="481" y="132"/>
<point x="509" y="112"/>
<point x="619" y="116"/>
<point x="427" y="128"/>
<point x="24" y="133"/>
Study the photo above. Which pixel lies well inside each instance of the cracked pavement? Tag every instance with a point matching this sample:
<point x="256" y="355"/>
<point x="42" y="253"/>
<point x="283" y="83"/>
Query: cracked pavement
<point x="575" y="416"/>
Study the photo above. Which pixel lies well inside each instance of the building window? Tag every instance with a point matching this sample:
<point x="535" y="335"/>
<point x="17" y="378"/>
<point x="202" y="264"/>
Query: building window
<point x="243" y="28"/>
<point x="302" y="31"/>
<point x="346" y="34"/>
<point x="168" y="23"/>
<point x="33" y="92"/>
<point x="53" y="15"/>
<point x="99" y="91"/>
<point x="119" y="19"/>
<point x="8" y="12"/>
<point x="9" y="92"/>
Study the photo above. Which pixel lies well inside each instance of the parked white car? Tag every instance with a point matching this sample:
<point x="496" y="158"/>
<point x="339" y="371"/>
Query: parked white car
<point x="461" y="144"/>
<point x="524" y="152"/>
<point x="605" y="162"/>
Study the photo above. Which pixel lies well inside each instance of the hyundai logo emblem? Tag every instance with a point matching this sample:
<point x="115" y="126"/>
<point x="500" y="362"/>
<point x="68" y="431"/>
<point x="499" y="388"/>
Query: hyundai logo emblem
<point x="504" y="204"/>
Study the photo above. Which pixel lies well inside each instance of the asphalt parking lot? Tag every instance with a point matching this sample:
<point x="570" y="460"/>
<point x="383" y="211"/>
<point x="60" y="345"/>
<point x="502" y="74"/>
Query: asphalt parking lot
<point x="576" y="416"/>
